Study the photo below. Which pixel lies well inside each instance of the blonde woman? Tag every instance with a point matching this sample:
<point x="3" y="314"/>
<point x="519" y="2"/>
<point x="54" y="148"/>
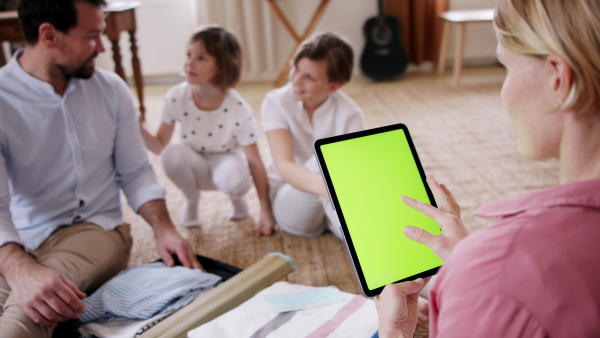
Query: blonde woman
<point x="535" y="272"/>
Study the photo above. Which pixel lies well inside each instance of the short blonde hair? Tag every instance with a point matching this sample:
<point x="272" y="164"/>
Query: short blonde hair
<point x="569" y="28"/>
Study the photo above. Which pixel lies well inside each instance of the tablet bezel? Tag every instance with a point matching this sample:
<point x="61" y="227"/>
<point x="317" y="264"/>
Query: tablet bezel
<point x="334" y="200"/>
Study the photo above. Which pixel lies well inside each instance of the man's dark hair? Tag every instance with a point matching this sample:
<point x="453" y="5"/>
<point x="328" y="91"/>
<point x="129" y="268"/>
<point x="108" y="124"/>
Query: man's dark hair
<point x="62" y="14"/>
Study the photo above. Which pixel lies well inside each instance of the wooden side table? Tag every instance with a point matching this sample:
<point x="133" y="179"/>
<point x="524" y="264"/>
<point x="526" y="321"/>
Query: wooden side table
<point x="10" y="30"/>
<point x="282" y="78"/>
<point x="120" y="17"/>
<point x="461" y="18"/>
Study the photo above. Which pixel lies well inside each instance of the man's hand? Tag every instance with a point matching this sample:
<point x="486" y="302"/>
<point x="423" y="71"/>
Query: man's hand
<point x="397" y="308"/>
<point x="45" y="295"/>
<point x="168" y="240"/>
<point x="447" y="217"/>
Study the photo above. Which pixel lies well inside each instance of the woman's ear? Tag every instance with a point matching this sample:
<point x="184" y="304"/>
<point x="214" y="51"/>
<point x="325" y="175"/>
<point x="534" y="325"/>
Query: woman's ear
<point x="48" y="35"/>
<point x="560" y="77"/>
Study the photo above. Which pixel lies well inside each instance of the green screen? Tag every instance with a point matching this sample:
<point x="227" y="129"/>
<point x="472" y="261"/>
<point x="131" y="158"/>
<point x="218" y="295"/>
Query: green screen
<point x="369" y="175"/>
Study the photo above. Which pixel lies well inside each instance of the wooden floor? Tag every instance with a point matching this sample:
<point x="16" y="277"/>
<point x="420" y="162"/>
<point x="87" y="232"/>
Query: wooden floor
<point x="463" y="135"/>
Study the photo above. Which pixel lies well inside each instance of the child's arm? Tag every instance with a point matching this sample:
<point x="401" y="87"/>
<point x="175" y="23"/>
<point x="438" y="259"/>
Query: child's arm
<point x="266" y="223"/>
<point x="157" y="143"/>
<point x="297" y="176"/>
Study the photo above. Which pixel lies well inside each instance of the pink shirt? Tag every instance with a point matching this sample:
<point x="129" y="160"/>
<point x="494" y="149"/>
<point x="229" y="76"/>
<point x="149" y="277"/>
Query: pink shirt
<point x="535" y="273"/>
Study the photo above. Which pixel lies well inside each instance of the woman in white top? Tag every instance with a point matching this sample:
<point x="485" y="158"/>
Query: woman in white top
<point x="217" y="149"/>
<point x="309" y="107"/>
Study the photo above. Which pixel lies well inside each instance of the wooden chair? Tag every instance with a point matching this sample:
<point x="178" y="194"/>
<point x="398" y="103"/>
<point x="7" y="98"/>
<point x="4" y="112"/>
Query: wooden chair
<point x="282" y="78"/>
<point x="460" y="18"/>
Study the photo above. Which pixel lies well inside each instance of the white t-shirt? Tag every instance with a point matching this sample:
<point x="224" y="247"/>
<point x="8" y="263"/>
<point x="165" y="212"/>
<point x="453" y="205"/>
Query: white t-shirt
<point x="338" y="115"/>
<point x="222" y="130"/>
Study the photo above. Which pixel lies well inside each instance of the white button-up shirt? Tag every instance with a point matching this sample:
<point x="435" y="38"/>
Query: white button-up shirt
<point x="338" y="115"/>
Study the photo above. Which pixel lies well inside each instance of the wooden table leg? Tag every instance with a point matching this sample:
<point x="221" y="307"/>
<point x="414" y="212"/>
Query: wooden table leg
<point x="116" y="52"/>
<point x="137" y="72"/>
<point x="458" y="53"/>
<point x="444" y="47"/>
<point x="118" y="20"/>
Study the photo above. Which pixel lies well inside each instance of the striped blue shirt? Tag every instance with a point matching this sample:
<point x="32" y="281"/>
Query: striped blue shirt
<point x="142" y="292"/>
<point x="65" y="158"/>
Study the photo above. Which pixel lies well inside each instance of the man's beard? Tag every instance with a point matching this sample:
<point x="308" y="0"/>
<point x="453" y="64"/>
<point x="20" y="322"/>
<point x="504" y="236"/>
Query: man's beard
<point x="85" y="71"/>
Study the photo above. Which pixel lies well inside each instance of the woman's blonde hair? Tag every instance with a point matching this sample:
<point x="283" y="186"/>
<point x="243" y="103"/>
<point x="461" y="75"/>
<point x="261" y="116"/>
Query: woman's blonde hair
<point x="569" y="28"/>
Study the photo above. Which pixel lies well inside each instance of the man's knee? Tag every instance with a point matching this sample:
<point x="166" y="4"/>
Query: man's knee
<point x="14" y="322"/>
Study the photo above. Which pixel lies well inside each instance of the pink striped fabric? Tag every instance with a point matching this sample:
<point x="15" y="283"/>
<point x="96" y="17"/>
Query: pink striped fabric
<point x="334" y="322"/>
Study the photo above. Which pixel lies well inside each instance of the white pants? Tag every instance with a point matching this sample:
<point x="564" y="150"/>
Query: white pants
<point x="192" y="171"/>
<point x="300" y="213"/>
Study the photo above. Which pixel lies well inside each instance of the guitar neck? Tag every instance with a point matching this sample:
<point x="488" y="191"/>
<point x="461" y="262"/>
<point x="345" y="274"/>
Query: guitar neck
<point x="381" y="9"/>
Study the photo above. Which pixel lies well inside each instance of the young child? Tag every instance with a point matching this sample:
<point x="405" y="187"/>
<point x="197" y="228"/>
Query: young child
<point x="217" y="149"/>
<point x="309" y="107"/>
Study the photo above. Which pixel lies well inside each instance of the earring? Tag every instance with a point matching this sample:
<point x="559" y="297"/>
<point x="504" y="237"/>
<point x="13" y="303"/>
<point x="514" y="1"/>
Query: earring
<point x="557" y="104"/>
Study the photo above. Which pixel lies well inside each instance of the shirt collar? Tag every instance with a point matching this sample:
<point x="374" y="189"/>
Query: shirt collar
<point x="324" y="108"/>
<point x="29" y="80"/>
<point x="584" y="194"/>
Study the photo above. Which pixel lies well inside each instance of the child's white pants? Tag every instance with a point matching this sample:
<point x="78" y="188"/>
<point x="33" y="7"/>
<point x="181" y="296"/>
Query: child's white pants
<point x="192" y="171"/>
<point x="300" y="213"/>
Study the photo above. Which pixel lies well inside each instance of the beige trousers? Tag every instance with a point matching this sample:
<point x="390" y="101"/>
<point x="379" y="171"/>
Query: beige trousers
<point x="85" y="253"/>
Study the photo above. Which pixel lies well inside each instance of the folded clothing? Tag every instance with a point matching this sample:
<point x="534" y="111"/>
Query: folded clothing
<point x="350" y="316"/>
<point x="142" y="292"/>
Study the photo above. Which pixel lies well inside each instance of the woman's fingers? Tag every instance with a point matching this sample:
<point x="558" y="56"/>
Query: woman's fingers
<point x="455" y="205"/>
<point x="444" y="201"/>
<point x="447" y="217"/>
<point x="442" y="218"/>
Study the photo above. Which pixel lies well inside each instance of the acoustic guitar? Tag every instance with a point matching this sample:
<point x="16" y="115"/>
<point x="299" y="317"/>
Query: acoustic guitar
<point x="383" y="57"/>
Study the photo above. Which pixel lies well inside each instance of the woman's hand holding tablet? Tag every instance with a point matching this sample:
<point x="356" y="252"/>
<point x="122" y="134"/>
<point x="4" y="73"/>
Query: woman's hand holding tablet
<point x="366" y="173"/>
<point x="447" y="216"/>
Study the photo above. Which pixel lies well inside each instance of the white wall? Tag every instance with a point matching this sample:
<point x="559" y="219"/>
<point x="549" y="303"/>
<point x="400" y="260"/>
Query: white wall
<point x="164" y="27"/>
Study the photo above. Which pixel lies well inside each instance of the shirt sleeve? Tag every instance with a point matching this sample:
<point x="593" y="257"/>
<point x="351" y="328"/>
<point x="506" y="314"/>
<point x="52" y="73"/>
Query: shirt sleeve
<point x="492" y="315"/>
<point x="469" y="297"/>
<point x="8" y="232"/>
<point x="356" y="122"/>
<point x="355" y="118"/>
<point x="272" y="114"/>
<point x="248" y="132"/>
<point x="135" y="175"/>
<point x="168" y="112"/>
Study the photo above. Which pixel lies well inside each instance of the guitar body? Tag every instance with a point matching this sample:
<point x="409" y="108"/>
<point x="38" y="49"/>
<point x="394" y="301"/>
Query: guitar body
<point x="383" y="57"/>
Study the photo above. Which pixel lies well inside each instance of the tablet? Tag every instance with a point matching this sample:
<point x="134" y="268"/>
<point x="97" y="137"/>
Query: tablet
<point x="366" y="173"/>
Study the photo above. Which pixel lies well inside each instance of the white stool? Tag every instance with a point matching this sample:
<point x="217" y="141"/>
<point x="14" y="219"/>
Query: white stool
<point x="461" y="18"/>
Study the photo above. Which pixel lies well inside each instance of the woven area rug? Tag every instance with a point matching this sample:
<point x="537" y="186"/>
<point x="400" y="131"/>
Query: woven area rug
<point x="463" y="135"/>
